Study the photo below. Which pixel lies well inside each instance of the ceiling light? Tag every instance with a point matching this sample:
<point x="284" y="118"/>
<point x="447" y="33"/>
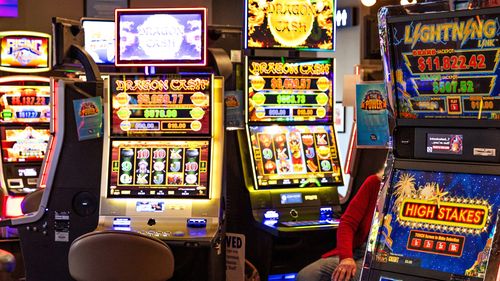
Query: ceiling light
<point x="406" y="2"/>
<point x="368" y="3"/>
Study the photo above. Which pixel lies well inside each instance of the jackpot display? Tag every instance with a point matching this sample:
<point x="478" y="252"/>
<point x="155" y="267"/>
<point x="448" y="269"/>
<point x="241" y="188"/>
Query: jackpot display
<point x="160" y="105"/>
<point x="24" y="144"/>
<point x="160" y="37"/>
<point x="439" y="221"/>
<point x="163" y="169"/>
<point x="447" y="68"/>
<point x="100" y="40"/>
<point x="296" y="24"/>
<point x="22" y="51"/>
<point x="24" y="104"/>
<point x="289" y="90"/>
<point x="295" y="156"/>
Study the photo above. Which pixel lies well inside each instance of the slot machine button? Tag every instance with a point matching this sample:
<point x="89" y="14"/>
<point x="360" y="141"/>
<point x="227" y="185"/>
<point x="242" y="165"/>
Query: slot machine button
<point x="178" y="233"/>
<point x="294" y="214"/>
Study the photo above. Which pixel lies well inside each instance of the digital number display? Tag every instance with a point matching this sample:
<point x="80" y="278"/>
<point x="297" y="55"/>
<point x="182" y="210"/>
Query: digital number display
<point x="24" y="104"/>
<point x="295" y="156"/>
<point x="161" y="105"/>
<point x="447" y="68"/>
<point x="297" y="24"/>
<point x="291" y="198"/>
<point x="24" y="145"/>
<point x="159" y="169"/>
<point x="291" y="90"/>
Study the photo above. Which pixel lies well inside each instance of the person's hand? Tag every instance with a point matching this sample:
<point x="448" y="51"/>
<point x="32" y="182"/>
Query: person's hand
<point x="345" y="270"/>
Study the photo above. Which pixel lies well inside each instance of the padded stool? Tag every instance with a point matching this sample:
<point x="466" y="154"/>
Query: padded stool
<point x="119" y="255"/>
<point x="31" y="202"/>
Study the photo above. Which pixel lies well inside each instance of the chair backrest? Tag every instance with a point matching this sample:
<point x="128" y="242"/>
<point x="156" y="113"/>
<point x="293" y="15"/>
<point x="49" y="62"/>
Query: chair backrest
<point x="31" y="202"/>
<point x="119" y="255"/>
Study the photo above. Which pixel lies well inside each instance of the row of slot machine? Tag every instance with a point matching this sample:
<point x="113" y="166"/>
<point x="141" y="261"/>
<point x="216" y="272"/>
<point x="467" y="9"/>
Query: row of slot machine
<point x="283" y="197"/>
<point x="160" y="136"/>
<point x="24" y="116"/>
<point x="440" y="214"/>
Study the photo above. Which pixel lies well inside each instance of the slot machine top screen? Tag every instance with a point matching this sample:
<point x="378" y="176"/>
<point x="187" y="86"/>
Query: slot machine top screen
<point x="297" y="156"/>
<point x="160" y="37"/>
<point x="159" y="169"/>
<point x="160" y="105"/>
<point x="438" y="221"/>
<point x="24" y="104"/>
<point x="290" y="24"/>
<point x="447" y="67"/>
<point x="24" y="51"/>
<point x="289" y="90"/>
<point x="99" y="39"/>
<point x="24" y="144"/>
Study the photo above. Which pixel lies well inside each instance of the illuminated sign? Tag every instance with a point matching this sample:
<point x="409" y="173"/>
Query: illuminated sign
<point x="447" y="68"/>
<point x="23" y="51"/>
<point x="24" y="145"/>
<point x="24" y="104"/>
<point x="100" y="40"/>
<point x="161" y="105"/>
<point x="439" y="221"/>
<point x="292" y="90"/>
<point x="160" y="37"/>
<point x="452" y="214"/>
<point x="345" y="17"/>
<point x="295" y="156"/>
<point x="163" y="169"/>
<point x="289" y="24"/>
<point x="462" y="31"/>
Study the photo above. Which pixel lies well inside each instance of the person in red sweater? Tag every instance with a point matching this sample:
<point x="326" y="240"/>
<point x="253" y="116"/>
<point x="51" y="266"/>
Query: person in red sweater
<point x="344" y="262"/>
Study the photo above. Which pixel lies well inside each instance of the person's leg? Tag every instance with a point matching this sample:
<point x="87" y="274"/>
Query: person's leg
<point x="320" y="270"/>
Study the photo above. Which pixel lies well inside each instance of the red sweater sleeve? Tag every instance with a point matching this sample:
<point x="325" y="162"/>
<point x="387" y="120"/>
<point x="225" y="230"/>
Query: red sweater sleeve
<point x="361" y="205"/>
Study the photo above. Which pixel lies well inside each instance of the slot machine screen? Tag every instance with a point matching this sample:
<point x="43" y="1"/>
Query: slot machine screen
<point x="447" y="67"/>
<point x="159" y="169"/>
<point x="290" y="90"/>
<point x="295" y="156"/>
<point x="24" y="144"/>
<point x="24" y="51"/>
<point x="285" y="24"/>
<point x="439" y="222"/>
<point x="24" y="104"/>
<point x="99" y="40"/>
<point x="160" y="37"/>
<point x="160" y="105"/>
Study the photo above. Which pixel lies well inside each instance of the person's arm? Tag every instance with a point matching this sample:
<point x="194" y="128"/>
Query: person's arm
<point x="358" y="208"/>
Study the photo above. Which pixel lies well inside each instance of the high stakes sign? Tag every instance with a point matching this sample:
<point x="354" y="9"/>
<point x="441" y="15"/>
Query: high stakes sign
<point x="296" y="24"/>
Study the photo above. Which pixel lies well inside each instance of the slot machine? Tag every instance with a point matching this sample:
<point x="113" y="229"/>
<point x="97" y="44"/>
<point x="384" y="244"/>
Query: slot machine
<point x="24" y="117"/>
<point x="164" y="138"/>
<point x="441" y="205"/>
<point x="287" y="199"/>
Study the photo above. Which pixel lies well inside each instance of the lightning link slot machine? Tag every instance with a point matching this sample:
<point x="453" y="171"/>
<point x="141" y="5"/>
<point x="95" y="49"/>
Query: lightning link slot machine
<point x="162" y="158"/>
<point x="440" y="211"/>
<point x="24" y="116"/>
<point x="288" y="149"/>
